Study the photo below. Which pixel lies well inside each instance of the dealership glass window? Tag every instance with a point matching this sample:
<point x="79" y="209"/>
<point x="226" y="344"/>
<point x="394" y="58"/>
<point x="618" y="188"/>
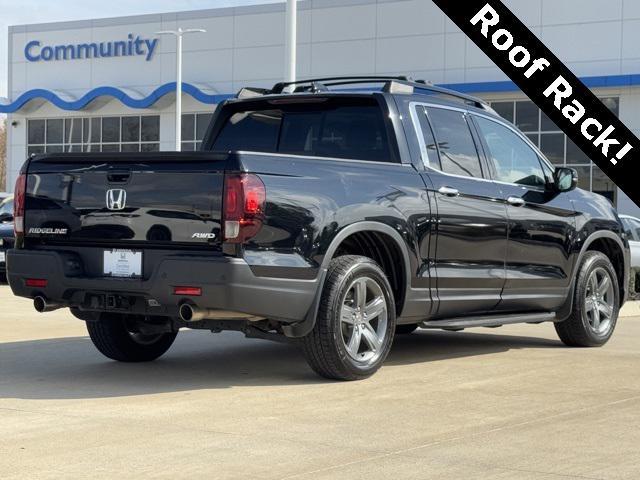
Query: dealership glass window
<point x="194" y="128"/>
<point x="603" y="185"/>
<point x="54" y="131"/>
<point x="552" y="144"/>
<point x="150" y="129"/>
<point x="527" y="116"/>
<point x="94" y="134"/>
<point x="556" y="146"/>
<point x="505" y="110"/>
<point x="35" y="133"/>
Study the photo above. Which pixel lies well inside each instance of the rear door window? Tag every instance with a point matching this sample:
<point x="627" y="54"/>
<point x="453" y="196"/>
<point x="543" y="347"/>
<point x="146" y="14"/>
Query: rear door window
<point x="353" y="130"/>
<point x="458" y="152"/>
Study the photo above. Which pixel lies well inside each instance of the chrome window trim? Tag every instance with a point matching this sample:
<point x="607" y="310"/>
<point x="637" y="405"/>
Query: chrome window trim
<point x="332" y="159"/>
<point x="425" y="156"/>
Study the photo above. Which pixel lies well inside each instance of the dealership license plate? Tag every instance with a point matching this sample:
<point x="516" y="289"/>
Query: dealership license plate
<point x="2" y="259"/>
<point x="122" y="263"/>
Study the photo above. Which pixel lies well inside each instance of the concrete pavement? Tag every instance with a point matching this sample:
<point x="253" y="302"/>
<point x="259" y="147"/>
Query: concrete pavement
<point x="506" y="403"/>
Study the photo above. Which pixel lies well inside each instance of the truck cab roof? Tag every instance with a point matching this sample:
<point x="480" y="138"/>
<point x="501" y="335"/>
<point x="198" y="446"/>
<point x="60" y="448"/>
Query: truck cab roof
<point x="415" y="90"/>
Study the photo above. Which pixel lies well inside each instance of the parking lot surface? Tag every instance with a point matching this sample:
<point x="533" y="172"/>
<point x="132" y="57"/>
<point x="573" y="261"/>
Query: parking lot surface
<point x="505" y="403"/>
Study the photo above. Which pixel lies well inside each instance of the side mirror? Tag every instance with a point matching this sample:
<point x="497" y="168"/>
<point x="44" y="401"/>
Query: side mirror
<point x="565" y="179"/>
<point x="6" y="217"/>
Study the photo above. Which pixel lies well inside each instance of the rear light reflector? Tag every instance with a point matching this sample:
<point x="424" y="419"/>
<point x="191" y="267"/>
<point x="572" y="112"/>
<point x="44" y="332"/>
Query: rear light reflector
<point x="36" y="282"/>
<point x="18" y="204"/>
<point x="188" y="291"/>
<point x="244" y="205"/>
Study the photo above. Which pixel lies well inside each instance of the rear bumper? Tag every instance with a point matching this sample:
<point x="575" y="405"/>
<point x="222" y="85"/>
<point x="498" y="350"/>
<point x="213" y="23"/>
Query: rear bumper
<point x="227" y="284"/>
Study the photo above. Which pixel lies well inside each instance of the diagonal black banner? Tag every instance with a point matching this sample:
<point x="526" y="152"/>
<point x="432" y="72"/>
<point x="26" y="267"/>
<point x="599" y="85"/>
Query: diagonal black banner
<point x="551" y="86"/>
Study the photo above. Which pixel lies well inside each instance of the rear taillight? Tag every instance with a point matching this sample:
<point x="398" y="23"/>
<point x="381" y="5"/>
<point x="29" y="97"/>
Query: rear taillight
<point x="18" y="204"/>
<point x="188" y="291"/>
<point x="244" y="203"/>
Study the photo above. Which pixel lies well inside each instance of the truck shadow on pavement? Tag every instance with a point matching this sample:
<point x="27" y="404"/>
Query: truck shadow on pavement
<point x="70" y="368"/>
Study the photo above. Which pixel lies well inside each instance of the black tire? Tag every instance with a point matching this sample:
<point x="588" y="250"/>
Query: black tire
<point x="406" y="329"/>
<point x="577" y="330"/>
<point x="325" y="348"/>
<point x="113" y="339"/>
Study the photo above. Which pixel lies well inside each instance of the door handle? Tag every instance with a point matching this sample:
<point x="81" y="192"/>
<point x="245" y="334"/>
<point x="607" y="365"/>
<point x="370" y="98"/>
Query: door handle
<point x="449" y="192"/>
<point x="516" y="201"/>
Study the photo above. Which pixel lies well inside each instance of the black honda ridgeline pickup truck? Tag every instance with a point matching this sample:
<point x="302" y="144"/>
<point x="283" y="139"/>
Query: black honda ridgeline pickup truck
<point x="335" y="213"/>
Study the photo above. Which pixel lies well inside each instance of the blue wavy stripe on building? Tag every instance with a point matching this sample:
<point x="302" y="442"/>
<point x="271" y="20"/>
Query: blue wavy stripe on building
<point x="148" y="101"/>
<point x="114" y="92"/>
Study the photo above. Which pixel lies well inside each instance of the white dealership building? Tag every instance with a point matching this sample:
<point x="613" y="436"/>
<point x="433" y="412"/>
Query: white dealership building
<point x="107" y="84"/>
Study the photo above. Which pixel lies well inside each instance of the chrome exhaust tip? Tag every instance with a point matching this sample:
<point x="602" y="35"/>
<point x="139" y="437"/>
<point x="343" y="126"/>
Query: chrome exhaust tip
<point x="42" y="305"/>
<point x="191" y="313"/>
<point x="188" y="313"/>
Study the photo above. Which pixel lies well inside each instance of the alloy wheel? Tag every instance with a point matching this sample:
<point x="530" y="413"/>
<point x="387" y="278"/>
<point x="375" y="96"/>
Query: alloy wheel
<point x="599" y="301"/>
<point x="363" y="320"/>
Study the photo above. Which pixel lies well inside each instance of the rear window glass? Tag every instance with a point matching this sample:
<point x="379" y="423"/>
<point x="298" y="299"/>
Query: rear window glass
<point x="329" y="129"/>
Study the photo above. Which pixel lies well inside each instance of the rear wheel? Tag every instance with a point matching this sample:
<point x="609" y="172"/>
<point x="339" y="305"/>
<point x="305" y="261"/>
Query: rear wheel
<point x="116" y="339"/>
<point x="356" y="321"/>
<point x="596" y="304"/>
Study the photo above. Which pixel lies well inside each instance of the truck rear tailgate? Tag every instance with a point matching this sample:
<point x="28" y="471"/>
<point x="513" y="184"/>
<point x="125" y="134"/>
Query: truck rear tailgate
<point x="126" y="199"/>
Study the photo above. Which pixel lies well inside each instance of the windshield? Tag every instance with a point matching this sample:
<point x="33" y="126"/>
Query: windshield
<point x="6" y="206"/>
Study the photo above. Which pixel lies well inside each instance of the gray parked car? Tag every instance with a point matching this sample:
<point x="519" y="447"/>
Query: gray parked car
<point x="6" y="232"/>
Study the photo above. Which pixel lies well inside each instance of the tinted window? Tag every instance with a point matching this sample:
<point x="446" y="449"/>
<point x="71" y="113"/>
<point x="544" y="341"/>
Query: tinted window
<point x="513" y="159"/>
<point x="251" y="131"/>
<point x="327" y="130"/>
<point x="458" y="154"/>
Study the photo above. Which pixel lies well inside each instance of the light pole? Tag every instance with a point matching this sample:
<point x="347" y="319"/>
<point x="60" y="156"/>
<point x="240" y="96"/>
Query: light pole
<point x="291" y="41"/>
<point x="179" y="34"/>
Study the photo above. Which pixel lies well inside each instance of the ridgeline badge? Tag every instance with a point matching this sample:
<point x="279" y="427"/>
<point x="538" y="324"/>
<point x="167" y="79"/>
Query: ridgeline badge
<point x="132" y="46"/>
<point x="551" y="86"/>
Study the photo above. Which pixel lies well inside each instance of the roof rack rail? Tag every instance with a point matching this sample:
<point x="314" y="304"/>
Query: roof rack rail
<point x="392" y="84"/>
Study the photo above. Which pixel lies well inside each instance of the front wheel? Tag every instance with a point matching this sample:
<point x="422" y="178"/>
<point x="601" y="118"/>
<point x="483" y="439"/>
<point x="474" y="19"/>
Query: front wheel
<point x="115" y="338"/>
<point x="596" y="304"/>
<point x="356" y="321"/>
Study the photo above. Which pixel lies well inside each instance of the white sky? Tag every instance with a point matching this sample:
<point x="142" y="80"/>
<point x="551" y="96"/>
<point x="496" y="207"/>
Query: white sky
<point x="21" y="12"/>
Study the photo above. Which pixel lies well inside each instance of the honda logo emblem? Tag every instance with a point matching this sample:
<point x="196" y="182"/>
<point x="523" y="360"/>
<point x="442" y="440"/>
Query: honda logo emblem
<point x="116" y="199"/>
